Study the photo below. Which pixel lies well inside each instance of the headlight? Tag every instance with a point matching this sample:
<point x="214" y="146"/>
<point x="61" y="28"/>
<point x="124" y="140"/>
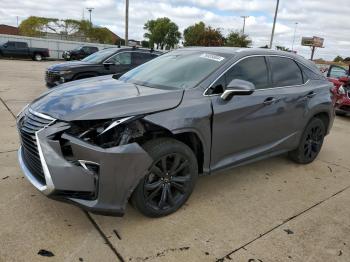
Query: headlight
<point x="66" y="72"/>
<point x="341" y="90"/>
<point x="105" y="133"/>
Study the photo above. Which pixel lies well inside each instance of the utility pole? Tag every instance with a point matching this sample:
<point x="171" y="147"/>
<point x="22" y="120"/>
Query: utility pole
<point x="17" y="21"/>
<point x="274" y="23"/>
<point x="90" y="11"/>
<point x="126" y="22"/>
<point x="244" y="18"/>
<point x="295" y="29"/>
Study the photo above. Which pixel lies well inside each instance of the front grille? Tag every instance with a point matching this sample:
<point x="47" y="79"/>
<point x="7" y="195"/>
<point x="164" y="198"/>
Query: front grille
<point x="52" y="77"/>
<point x="28" y="126"/>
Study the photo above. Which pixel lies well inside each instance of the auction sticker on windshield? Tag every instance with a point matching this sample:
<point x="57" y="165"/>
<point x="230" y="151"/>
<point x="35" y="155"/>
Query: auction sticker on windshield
<point x="212" y="57"/>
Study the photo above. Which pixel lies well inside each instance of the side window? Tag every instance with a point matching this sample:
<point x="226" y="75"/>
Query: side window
<point x="140" y="58"/>
<point x="93" y="49"/>
<point x="11" y="44"/>
<point x="285" y="72"/>
<point x="252" y="69"/>
<point x="120" y="59"/>
<point x="337" y="72"/>
<point x="21" y="45"/>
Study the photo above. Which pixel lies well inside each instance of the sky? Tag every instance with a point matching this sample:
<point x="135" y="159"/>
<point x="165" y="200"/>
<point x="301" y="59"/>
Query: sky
<point x="327" y="19"/>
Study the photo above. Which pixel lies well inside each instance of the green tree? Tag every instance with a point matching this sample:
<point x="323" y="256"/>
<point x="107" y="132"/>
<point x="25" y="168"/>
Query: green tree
<point x="338" y="59"/>
<point x="238" y="39"/>
<point x="145" y="43"/>
<point x="37" y="26"/>
<point x="201" y="35"/>
<point x="162" y="32"/>
<point x="282" y="48"/>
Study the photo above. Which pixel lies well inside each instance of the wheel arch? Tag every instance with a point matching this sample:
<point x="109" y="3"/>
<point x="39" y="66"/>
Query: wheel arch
<point x="83" y="75"/>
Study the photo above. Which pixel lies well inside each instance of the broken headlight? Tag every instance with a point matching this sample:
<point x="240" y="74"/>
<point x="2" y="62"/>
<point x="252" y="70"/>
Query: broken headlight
<point x="108" y="133"/>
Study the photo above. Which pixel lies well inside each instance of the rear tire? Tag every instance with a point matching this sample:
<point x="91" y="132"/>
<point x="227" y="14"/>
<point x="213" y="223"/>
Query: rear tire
<point x="170" y="179"/>
<point x="311" y="142"/>
<point x="38" y="57"/>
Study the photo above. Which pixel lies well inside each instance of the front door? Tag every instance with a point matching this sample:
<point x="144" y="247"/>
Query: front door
<point x="119" y="64"/>
<point x="250" y="126"/>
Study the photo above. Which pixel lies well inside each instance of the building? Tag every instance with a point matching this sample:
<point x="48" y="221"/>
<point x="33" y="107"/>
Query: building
<point x="8" y="30"/>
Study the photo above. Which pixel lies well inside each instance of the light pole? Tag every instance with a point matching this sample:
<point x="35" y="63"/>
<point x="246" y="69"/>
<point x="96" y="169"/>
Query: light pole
<point x="274" y="23"/>
<point x="126" y="22"/>
<point x="295" y="30"/>
<point x="244" y="18"/>
<point x="90" y="11"/>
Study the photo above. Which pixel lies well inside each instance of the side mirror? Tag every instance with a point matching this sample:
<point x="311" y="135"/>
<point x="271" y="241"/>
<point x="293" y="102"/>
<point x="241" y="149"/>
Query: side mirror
<point x="107" y="64"/>
<point x="238" y="87"/>
<point x="5" y="45"/>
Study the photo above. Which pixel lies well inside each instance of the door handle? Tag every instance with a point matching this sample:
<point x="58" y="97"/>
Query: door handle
<point x="270" y="100"/>
<point x="310" y="94"/>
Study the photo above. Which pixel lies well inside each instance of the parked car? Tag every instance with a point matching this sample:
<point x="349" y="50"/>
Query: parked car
<point x="339" y="76"/>
<point x="21" y="50"/>
<point x="108" y="61"/>
<point x="146" y="136"/>
<point x="79" y="53"/>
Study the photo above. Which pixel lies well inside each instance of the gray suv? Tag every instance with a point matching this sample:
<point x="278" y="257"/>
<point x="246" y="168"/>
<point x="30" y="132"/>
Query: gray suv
<point x="146" y="136"/>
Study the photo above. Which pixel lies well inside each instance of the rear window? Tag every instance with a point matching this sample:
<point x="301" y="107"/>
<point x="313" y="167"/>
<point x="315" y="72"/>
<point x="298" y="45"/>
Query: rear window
<point x="285" y="72"/>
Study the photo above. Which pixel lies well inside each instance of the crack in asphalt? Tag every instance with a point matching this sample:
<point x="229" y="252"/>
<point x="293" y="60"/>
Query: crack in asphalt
<point x="8" y="109"/>
<point x="335" y="164"/>
<point x="9" y="151"/>
<point x="279" y="225"/>
<point x="105" y="238"/>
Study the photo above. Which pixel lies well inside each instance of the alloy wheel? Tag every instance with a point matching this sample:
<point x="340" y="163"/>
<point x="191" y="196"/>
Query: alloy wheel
<point x="313" y="142"/>
<point x="167" y="183"/>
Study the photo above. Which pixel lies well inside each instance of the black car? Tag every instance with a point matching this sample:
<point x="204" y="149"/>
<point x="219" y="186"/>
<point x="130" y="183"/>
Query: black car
<point x="21" y="50"/>
<point x="107" y="61"/>
<point x="79" y="53"/>
<point x="147" y="136"/>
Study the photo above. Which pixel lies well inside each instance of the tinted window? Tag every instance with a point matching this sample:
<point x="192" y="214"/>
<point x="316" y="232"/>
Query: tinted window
<point x="285" y="72"/>
<point x="10" y="44"/>
<point x="252" y="69"/>
<point x="21" y="45"/>
<point x="309" y="74"/>
<point x="140" y="58"/>
<point x="120" y="59"/>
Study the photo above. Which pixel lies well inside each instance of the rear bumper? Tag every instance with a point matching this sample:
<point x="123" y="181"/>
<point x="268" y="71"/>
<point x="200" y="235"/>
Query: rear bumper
<point x="106" y="191"/>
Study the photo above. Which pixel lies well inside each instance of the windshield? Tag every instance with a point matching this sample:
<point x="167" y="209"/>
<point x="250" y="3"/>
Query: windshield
<point x="179" y="69"/>
<point x="99" y="56"/>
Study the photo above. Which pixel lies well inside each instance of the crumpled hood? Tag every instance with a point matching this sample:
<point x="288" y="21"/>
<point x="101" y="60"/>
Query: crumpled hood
<point x="68" y="65"/>
<point x="104" y="98"/>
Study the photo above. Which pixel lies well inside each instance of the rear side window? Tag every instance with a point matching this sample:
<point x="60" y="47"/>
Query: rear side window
<point x="140" y="58"/>
<point x="21" y="45"/>
<point x="285" y="72"/>
<point x="309" y="74"/>
<point x="252" y="69"/>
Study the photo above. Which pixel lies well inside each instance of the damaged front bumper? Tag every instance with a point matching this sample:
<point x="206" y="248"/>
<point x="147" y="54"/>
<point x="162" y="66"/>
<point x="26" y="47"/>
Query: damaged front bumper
<point x="97" y="179"/>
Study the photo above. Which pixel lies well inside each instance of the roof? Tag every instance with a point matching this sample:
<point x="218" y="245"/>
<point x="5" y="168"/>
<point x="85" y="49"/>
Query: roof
<point x="8" y="30"/>
<point x="254" y="51"/>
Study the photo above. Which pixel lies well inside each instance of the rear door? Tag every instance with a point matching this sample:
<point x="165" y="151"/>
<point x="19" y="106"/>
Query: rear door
<point x="247" y="127"/>
<point x="138" y="58"/>
<point x="22" y="49"/>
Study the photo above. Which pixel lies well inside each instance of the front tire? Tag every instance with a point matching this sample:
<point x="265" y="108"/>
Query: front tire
<point x="310" y="143"/>
<point x="170" y="179"/>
